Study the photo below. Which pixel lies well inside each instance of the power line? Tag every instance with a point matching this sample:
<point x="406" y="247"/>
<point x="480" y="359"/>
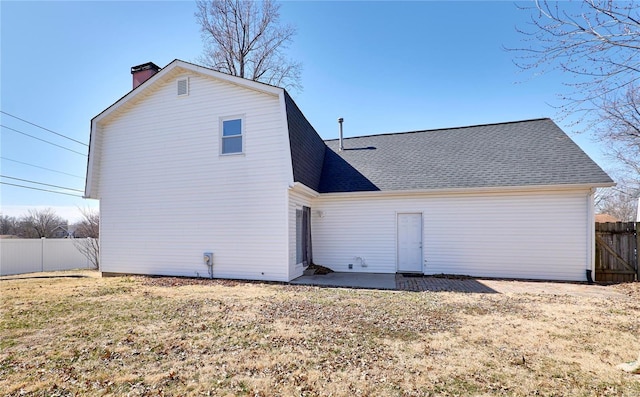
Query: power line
<point x="40" y="183"/>
<point x="43" y="190"/>
<point x="41" y="127"/>
<point x="632" y="195"/>
<point x="43" y="140"/>
<point x="44" y="168"/>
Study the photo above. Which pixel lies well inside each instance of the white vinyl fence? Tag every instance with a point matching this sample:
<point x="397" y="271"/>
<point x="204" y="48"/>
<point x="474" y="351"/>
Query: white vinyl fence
<point x="18" y="256"/>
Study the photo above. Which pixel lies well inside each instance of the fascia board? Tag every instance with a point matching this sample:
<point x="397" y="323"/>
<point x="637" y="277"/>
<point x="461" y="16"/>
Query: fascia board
<point x="250" y="84"/>
<point x="305" y="190"/>
<point x="90" y="160"/>
<point x="462" y="191"/>
<point x="285" y="120"/>
<point x="140" y="90"/>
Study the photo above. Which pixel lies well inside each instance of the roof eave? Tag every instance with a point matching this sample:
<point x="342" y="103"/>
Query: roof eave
<point x="88" y="191"/>
<point x="473" y="190"/>
<point x="176" y="63"/>
<point x="304" y="189"/>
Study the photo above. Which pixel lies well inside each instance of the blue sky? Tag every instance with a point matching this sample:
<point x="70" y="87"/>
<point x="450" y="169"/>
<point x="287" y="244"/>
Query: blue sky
<point x="383" y="66"/>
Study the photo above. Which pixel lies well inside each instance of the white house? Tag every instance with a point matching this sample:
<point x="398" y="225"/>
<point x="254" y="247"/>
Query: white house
<point x="194" y="161"/>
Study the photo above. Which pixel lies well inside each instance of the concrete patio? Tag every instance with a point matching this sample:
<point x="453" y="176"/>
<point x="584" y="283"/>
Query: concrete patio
<point x="452" y="284"/>
<point x="349" y="280"/>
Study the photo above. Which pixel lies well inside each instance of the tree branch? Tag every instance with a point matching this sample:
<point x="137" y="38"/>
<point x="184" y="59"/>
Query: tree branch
<point x="245" y="39"/>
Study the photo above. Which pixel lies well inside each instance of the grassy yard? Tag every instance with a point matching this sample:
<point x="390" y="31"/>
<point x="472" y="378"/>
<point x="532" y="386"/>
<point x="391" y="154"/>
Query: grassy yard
<point x="145" y="336"/>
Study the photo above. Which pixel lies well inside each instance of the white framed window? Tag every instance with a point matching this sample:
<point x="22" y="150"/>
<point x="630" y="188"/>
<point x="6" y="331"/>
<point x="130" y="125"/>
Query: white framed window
<point x="232" y="135"/>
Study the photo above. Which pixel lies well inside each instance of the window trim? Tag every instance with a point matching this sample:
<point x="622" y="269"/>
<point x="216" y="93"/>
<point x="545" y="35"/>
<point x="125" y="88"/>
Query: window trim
<point x="221" y="136"/>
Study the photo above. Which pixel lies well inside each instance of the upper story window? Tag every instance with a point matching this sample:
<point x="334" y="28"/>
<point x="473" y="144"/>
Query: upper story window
<point x="232" y="135"/>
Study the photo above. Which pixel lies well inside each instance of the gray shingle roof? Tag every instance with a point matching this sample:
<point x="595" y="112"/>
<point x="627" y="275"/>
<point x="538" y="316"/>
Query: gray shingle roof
<point x="523" y="153"/>
<point x="307" y="148"/>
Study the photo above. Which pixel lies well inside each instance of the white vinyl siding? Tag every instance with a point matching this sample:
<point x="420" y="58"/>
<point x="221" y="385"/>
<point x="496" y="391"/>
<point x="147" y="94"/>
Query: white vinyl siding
<point x="167" y="197"/>
<point x="540" y="235"/>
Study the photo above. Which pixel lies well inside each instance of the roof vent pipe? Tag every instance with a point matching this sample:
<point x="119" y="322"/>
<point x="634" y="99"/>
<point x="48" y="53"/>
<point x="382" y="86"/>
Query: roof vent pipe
<point x="340" y="147"/>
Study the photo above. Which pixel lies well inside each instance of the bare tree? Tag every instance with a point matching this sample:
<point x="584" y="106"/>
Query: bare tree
<point x="620" y="131"/>
<point x="596" y="43"/>
<point x="618" y="202"/>
<point x="88" y="234"/>
<point x="245" y="39"/>
<point x="39" y="223"/>
<point x="8" y="224"/>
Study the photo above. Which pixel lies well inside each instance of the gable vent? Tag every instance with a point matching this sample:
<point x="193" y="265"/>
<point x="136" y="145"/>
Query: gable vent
<point x="183" y="87"/>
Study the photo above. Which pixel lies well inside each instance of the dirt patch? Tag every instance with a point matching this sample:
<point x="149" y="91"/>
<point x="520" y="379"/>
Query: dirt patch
<point x="320" y="269"/>
<point x="183" y="281"/>
<point x="630" y="289"/>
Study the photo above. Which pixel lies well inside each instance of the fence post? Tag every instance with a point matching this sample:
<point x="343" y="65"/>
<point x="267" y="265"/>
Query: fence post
<point x="42" y="253"/>
<point x="638" y="247"/>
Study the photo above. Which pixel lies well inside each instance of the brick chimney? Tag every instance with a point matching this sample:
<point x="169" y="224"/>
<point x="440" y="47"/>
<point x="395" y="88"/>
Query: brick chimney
<point x="142" y="73"/>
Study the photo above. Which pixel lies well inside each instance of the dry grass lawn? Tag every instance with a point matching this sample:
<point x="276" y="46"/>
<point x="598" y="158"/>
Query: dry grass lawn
<point x="144" y="336"/>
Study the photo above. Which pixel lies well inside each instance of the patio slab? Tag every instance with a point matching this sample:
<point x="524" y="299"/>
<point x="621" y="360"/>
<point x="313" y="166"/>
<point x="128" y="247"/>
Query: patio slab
<point x="463" y="284"/>
<point x="350" y="280"/>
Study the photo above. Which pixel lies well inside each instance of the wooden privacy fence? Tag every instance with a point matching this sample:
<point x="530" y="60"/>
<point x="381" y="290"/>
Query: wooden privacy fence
<point x="617" y="252"/>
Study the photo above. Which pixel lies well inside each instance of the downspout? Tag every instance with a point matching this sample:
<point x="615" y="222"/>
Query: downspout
<point x="591" y="236"/>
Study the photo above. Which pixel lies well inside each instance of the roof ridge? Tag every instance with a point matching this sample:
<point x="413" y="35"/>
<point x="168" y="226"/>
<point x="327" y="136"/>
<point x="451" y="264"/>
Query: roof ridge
<point x="443" y="129"/>
<point x="218" y="71"/>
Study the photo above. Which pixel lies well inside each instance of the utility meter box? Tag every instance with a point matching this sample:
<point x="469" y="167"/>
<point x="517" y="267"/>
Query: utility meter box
<point x="208" y="258"/>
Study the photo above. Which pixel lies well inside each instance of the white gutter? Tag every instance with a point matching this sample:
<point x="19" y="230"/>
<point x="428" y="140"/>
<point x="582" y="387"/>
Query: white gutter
<point x="304" y="189"/>
<point x="473" y="190"/>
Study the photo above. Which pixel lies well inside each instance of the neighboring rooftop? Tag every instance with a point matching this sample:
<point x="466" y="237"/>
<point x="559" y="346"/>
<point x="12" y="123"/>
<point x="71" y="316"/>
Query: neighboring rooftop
<point x="603" y="218"/>
<point x="522" y="153"/>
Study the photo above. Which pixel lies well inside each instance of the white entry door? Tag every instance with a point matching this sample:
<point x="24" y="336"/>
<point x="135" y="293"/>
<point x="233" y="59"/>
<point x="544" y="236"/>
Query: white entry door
<point x="410" y="243"/>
